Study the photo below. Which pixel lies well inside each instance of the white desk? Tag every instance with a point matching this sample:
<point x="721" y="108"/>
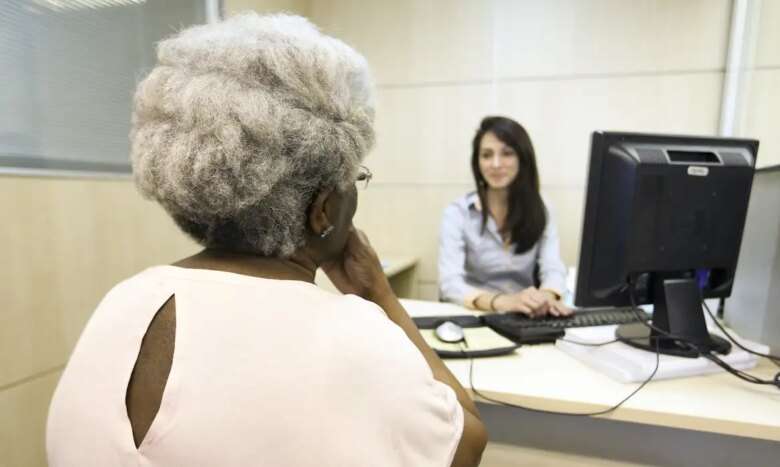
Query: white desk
<point x="544" y="377"/>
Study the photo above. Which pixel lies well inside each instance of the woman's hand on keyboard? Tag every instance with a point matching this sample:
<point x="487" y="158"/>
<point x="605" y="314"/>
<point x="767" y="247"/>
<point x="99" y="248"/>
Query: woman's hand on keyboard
<point x="557" y="307"/>
<point x="532" y="302"/>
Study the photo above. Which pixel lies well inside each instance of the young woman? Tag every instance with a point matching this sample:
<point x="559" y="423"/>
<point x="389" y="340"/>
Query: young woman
<point x="499" y="246"/>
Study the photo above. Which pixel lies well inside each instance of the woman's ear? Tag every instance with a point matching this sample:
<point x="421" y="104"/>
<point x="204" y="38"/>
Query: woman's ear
<point x="318" y="220"/>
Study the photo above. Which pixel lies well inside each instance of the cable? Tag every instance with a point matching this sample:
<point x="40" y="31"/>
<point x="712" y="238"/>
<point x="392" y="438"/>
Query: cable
<point x="581" y="414"/>
<point x="573" y="414"/>
<point x="771" y="357"/>
<point x="599" y="344"/>
<point x="739" y="373"/>
<point x="721" y="307"/>
<point x="589" y="344"/>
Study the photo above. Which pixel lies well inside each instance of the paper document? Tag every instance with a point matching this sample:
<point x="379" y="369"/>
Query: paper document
<point x="628" y="364"/>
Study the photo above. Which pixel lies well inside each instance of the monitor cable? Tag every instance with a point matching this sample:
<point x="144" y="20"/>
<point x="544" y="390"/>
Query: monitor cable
<point x="721" y="307"/>
<point x="555" y="412"/>
<point x="588" y="344"/>
<point x="775" y="359"/>
<point x="739" y="373"/>
<point x="711" y="356"/>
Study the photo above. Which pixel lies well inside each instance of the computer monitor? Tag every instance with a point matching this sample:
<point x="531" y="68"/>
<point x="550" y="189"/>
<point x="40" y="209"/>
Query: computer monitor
<point x="663" y="224"/>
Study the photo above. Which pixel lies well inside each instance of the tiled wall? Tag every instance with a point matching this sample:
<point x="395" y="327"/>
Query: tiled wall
<point x="563" y="68"/>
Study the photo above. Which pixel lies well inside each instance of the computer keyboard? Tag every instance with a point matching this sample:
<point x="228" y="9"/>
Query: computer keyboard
<point x="581" y="318"/>
<point x="464" y="321"/>
<point x="522" y="329"/>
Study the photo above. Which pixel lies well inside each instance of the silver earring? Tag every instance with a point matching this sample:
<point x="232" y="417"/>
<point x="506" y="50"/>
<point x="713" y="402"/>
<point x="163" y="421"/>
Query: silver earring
<point x="327" y="231"/>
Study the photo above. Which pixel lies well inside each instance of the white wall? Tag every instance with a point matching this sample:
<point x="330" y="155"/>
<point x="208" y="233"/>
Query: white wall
<point x="299" y="7"/>
<point x="762" y="106"/>
<point x="563" y="68"/>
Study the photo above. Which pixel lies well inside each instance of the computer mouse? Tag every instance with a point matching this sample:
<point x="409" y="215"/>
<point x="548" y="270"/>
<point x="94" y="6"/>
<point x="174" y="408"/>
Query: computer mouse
<point x="449" y="332"/>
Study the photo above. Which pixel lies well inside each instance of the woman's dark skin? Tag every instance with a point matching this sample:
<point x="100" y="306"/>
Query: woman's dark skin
<point x="351" y="264"/>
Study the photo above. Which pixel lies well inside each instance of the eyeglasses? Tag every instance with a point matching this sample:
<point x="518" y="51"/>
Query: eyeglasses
<point x="364" y="176"/>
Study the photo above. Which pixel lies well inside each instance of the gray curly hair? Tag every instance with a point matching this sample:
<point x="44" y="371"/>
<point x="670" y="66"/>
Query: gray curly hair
<point x="242" y="122"/>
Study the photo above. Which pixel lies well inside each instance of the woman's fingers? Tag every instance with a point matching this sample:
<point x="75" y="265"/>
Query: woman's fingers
<point x="535" y="303"/>
<point x="541" y="296"/>
<point x="532" y="301"/>
<point x="563" y="309"/>
<point x="558" y="308"/>
<point x="542" y="310"/>
<point x="535" y="307"/>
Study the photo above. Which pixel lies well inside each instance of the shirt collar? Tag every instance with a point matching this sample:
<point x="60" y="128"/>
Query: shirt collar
<point x="473" y="202"/>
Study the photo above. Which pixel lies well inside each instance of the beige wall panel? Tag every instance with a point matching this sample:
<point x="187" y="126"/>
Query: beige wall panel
<point x="31" y="337"/>
<point x="565" y="37"/>
<point x="23" y="412"/>
<point x="768" y="40"/>
<point x="424" y="133"/>
<point x="560" y="115"/>
<point x="567" y="206"/>
<point x="405" y="219"/>
<point x="300" y="7"/>
<point x="763" y="115"/>
<point x="412" y="41"/>
<point x="428" y="290"/>
<point x="69" y="242"/>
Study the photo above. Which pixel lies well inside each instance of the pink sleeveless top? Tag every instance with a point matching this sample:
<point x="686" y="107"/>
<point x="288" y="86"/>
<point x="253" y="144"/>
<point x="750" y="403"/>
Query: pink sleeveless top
<point x="265" y="372"/>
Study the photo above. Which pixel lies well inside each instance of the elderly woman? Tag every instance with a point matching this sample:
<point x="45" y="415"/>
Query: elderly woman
<point x="250" y="134"/>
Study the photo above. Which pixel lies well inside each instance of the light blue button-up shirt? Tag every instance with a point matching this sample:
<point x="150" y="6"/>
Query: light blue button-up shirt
<point x="471" y="263"/>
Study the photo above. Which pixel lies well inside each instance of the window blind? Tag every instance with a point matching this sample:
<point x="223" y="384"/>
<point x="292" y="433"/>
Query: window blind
<point x="68" y="70"/>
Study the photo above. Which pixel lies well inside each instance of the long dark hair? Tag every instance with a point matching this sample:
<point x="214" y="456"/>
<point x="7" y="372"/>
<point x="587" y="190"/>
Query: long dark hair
<point x="527" y="216"/>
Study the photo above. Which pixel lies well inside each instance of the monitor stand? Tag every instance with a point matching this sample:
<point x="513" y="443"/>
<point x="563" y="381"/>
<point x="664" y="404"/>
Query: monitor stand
<point x="677" y="310"/>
